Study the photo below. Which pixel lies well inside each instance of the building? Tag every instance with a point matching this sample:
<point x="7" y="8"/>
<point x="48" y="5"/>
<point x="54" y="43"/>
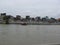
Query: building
<point x="38" y="18"/>
<point x="1" y="19"/>
<point x="2" y="15"/>
<point x="27" y="17"/>
<point x="18" y="17"/>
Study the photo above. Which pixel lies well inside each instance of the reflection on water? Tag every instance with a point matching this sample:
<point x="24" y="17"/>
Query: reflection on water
<point x="29" y="35"/>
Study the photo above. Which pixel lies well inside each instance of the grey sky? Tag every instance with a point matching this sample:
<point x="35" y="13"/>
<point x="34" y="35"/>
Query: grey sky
<point x="31" y="7"/>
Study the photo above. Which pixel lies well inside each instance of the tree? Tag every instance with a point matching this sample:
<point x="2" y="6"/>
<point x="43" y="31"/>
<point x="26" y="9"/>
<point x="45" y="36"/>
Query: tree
<point x="44" y="19"/>
<point x="6" y="19"/>
<point x="53" y="19"/>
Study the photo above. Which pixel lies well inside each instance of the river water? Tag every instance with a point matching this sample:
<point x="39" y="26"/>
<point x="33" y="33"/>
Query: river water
<point x="29" y="34"/>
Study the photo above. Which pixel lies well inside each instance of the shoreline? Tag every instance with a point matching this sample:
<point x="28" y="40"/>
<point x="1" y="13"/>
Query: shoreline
<point x="35" y="23"/>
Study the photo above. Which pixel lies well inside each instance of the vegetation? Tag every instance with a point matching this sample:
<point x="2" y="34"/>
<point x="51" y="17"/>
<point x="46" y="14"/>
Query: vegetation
<point x="6" y="19"/>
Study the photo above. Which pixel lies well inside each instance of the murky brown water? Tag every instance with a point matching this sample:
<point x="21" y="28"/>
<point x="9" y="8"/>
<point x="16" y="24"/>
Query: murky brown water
<point x="29" y="35"/>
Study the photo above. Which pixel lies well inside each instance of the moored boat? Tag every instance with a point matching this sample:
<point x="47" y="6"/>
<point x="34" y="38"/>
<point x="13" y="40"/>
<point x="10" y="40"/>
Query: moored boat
<point x="23" y="23"/>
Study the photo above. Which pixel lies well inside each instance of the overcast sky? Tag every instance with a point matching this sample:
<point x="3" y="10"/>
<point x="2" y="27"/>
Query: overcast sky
<point x="31" y="7"/>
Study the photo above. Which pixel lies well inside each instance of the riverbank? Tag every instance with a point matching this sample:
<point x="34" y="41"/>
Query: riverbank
<point x="33" y="23"/>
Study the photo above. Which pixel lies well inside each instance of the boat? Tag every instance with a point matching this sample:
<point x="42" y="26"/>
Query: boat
<point x="23" y="23"/>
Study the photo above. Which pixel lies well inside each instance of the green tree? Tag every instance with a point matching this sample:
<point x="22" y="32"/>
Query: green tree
<point x="6" y="19"/>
